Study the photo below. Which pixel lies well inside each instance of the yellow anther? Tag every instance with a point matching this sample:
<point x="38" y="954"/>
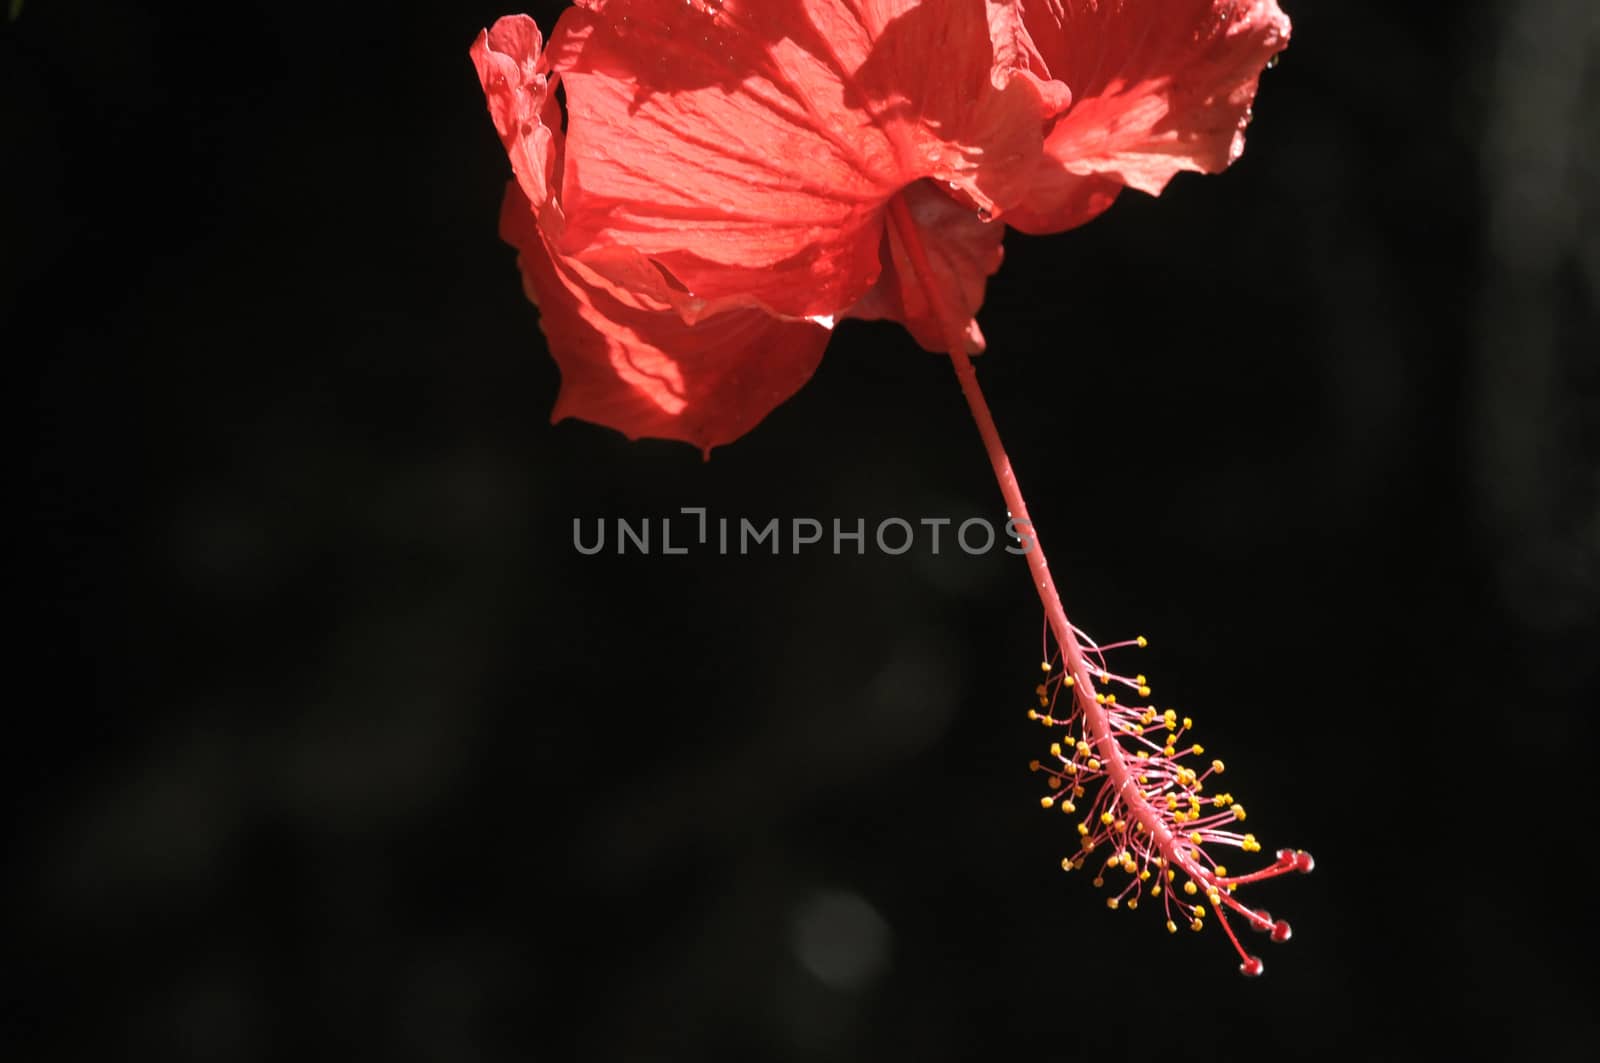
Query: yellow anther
<point x="1238" y="812"/>
<point x="1140" y="679"/>
<point x="1100" y="699"/>
<point x="1083" y="828"/>
<point x="1068" y="807"/>
<point x="1197" y="749"/>
<point x="1069" y="742"/>
<point x="1144" y="754"/>
<point x="1199" y="911"/>
<point x="1214" y="896"/>
<point x="1047" y="721"/>
<point x="1129" y="866"/>
<point x="1068" y="681"/>
<point x="1172" y="928"/>
<point x="1187" y="723"/>
<point x="1113" y="860"/>
<point x="1055" y="749"/>
<point x="1066" y="863"/>
<point x="1047" y="802"/>
<point x="1197" y="925"/>
<point x="1133" y="903"/>
<point x="1171" y="874"/>
<point x="1190" y="888"/>
<point x="1111" y="699"/>
<point x="1141" y="642"/>
<point x="1094" y="765"/>
<point x="1107" y="818"/>
<point x="1069" y="768"/>
<point x="1144" y="876"/>
<point x="1196" y="838"/>
<point x="1218" y="767"/>
<point x="1120" y="824"/>
<point x="1221" y="872"/>
<point x="1170" y="750"/>
<point x="1044" y="666"/>
<point x="1249" y="844"/>
<point x="1144" y="691"/>
<point x="1155" y="891"/>
<point x="1111" y="902"/>
<point x="1033" y="714"/>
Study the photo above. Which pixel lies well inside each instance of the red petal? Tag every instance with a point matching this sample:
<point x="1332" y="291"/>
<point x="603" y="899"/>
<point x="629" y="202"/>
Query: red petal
<point x="1016" y="54"/>
<point x="1063" y="200"/>
<point x="1157" y="87"/>
<point x="963" y="253"/>
<point x="748" y="147"/>
<point x="510" y="65"/>
<point x="642" y="370"/>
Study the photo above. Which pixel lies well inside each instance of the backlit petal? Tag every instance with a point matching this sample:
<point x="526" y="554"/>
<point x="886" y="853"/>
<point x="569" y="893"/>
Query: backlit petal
<point x="643" y="371"/>
<point x="1157" y="86"/>
<point x="510" y="65"/>
<point x="747" y="148"/>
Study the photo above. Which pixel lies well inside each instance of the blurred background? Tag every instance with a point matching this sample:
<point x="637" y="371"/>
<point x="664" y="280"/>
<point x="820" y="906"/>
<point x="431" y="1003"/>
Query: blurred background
<point x="326" y="743"/>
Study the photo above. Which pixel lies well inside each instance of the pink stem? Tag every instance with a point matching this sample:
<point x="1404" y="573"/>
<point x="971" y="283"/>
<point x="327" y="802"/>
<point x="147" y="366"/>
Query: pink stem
<point x="1097" y="724"/>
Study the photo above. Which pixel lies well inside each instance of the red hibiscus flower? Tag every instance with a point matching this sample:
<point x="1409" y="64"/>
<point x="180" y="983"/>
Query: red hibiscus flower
<point x="723" y="189"/>
<point x="729" y="178"/>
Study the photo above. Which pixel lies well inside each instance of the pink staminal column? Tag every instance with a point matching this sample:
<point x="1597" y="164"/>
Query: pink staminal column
<point x="1148" y="807"/>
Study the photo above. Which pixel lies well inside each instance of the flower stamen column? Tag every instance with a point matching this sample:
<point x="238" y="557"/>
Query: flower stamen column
<point x="1145" y="832"/>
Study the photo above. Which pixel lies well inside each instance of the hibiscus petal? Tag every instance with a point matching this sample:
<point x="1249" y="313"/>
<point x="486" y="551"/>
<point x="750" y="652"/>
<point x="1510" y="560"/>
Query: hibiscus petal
<point x="509" y="59"/>
<point x="748" y="147"/>
<point x="1157" y="87"/>
<point x="963" y="252"/>
<point x="1062" y="200"/>
<point x="1016" y="54"/>
<point x="642" y="370"/>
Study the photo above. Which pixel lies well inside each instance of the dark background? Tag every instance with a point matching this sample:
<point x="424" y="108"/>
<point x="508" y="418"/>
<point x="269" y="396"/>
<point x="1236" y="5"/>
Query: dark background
<point x="325" y="743"/>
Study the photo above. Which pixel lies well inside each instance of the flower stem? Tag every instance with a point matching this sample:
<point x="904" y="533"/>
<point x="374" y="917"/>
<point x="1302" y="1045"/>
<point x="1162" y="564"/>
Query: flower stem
<point x="1097" y="723"/>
